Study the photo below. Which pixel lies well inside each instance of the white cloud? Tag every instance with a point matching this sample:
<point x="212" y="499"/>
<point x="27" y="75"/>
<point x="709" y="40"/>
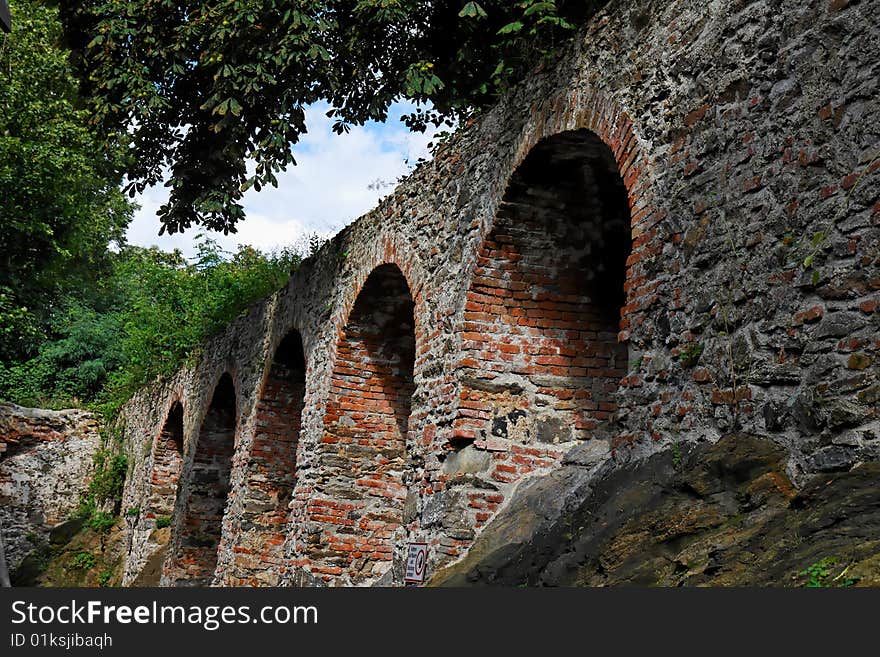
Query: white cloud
<point x="337" y="179"/>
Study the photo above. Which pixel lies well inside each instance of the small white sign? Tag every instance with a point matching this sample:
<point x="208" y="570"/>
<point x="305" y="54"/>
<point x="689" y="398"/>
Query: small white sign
<point x="416" y="562"/>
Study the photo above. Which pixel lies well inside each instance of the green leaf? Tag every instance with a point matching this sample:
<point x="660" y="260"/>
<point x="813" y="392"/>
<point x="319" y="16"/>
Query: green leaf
<point x="275" y="57"/>
<point x="472" y="10"/>
<point x="511" y="28"/>
<point x="540" y="6"/>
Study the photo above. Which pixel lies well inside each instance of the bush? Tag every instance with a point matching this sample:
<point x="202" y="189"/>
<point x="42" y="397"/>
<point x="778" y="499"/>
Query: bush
<point x="83" y="560"/>
<point x="104" y="489"/>
<point x="101" y="522"/>
<point x="105" y="577"/>
<point x="152" y="311"/>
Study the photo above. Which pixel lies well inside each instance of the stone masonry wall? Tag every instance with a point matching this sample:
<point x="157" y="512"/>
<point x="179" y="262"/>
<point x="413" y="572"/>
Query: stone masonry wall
<point x="744" y="134"/>
<point x="358" y="500"/>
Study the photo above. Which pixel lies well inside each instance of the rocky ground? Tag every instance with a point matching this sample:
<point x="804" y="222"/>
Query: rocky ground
<point x="723" y="514"/>
<point x="74" y="556"/>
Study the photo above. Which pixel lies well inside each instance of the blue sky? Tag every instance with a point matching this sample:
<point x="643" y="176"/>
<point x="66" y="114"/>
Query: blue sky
<point x="337" y="179"/>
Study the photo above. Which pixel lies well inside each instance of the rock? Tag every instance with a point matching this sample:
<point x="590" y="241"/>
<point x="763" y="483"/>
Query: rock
<point x="775" y="415"/>
<point x="776" y="374"/>
<point x="45" y="463"/>
<point x="843" y="413"/>
<point x="588" y="454"/>
<point x="805" y="413"/>
<point x="727" y="515"/>
<point x="468" y="460"/>
<point x="858" y="361"/>
<point x="410" y="507"/>
<point x="870" y="395"/>
<point x="839" y="325"/>
<point x="834" y="458"/>
<point x="536" y="507"/>
<point x="61" y="533"/>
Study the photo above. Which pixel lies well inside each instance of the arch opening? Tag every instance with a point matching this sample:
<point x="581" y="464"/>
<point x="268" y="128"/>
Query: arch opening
<point x="363" y="450"/>
<point x="541" y="362"/>
<point x="167" y="465"/>
<point x="271" y="472"/>
<point x="209" y="484"/>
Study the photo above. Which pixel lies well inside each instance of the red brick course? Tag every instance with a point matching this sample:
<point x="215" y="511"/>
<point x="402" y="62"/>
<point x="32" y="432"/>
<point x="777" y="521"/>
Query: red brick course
<point x="198" y="531"/>
<point x="359" y="502"/>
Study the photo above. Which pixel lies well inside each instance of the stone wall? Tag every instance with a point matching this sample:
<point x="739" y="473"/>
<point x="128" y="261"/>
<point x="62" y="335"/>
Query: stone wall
<point x="669" y="235"/>
<point x="46" y="460"/>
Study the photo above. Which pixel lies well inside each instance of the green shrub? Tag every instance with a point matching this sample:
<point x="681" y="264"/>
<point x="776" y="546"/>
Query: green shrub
<point x="690" y="354"/>
<point x="143" y="319"/>
<point x="101" y="522"/>
<point x="105" y="577"/>
<point x="821" y="574"/>
<point x="83" y="560"/>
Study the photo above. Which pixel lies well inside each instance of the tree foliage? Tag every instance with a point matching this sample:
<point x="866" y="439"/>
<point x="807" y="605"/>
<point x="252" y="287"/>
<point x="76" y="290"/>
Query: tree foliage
<point x="171" y="305"/>
<point x="154" y="310"/>
<point x="85" y="318"/>
<point x="199" y="88"/>
<point x="60" y="202"/>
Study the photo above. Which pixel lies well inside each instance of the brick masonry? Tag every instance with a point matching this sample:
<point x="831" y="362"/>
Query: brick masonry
<point x="196" y="533"/>
<point x="669" y="235"/>
<point x="271" y="470"/>
<point x="167" y="461"/>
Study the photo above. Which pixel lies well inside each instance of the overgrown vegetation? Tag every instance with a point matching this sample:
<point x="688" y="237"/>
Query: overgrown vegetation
<point x="690" y="354"/>
<point x="105" y="577"/>
<point x="104" y="490"/>
<point x="61" y="203"/>
<point x="155" y="310"/>
<point x="827" y="573"/>
<point x="83" y="561"/>
<point x="85" y="319"/>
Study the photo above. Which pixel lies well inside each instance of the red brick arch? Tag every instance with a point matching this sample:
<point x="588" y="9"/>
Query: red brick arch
<point x="271" y="468"/>
<point x="167" y="463"/>
<point x="542" y="334"/>
<point x="363" y="449"/>
<point x="586" y="108"/>
<point x="198" y="531"/>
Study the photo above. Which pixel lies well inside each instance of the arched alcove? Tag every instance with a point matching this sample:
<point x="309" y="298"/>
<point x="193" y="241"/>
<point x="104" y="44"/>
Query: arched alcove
<point x="196" y="556"/>
<point x="271" y="472"/>
<point x="541" y="361"/>
<point x="363" y="453"/>
<point x="167" y="463"/>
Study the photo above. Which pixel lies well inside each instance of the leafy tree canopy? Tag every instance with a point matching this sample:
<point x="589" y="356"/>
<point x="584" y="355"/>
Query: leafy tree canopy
<point x="60" y="202"/>
<point x="199" y="88"/>
<point x="85" y="318"/>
